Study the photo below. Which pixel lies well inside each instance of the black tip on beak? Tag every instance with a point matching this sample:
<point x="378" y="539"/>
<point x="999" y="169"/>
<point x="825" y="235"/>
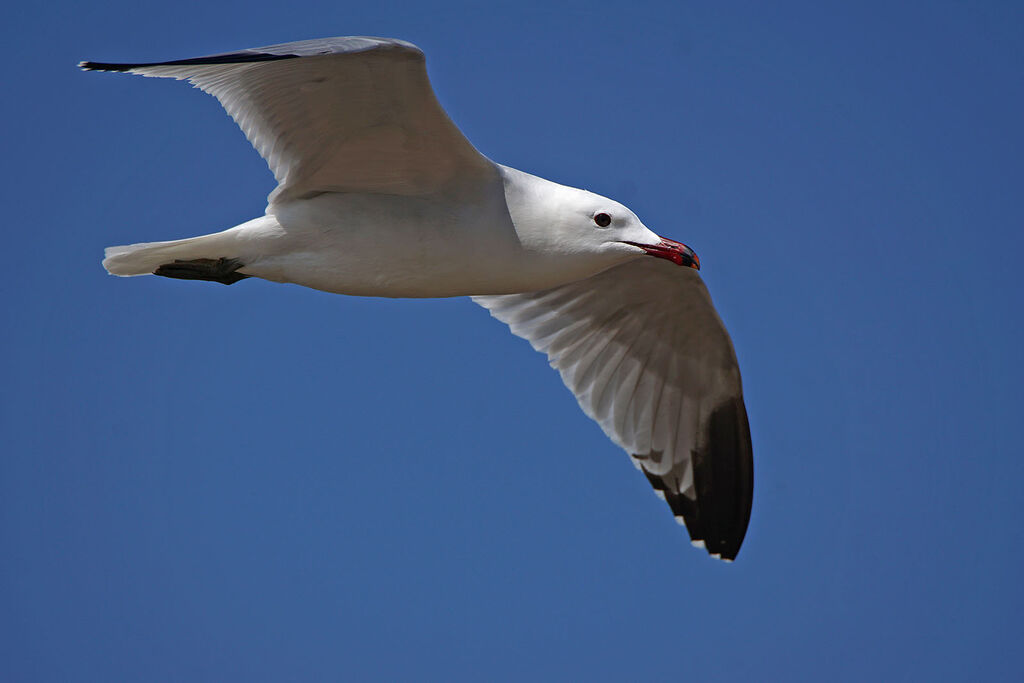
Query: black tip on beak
<point x="676" y="252"/>
<point x="690" y="258"/>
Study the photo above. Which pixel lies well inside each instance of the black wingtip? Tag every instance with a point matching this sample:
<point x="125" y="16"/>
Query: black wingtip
<point x="102" y="66"/>
<point x="231" y="58"/>
<point x="723" y="472"/>
<point x="724" y="477"/>
<point x="322" y="47"/>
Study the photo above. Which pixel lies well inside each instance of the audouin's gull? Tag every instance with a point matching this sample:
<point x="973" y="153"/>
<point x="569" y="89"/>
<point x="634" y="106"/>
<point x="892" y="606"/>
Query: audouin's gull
<point x="379" y="194"/>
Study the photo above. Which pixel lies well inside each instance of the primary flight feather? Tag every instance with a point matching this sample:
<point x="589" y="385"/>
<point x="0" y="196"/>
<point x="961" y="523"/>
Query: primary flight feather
<point x="379" y="194"/>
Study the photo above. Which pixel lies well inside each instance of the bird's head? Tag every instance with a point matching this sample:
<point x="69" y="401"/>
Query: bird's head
<point x="580" y="231"/>
<point x="606" y="225"/>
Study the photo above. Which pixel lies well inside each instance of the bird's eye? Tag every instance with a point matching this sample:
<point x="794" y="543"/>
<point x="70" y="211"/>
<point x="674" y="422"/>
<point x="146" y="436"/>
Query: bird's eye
<point x="603" y="220"/>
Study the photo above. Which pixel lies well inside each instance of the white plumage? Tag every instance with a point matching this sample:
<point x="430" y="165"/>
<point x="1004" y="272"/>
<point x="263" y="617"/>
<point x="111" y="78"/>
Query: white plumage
<point x="379" y="194"/>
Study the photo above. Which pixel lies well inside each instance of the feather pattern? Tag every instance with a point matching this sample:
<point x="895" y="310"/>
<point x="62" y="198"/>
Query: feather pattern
<point x="647" y="357"/>
<point x="334" y="115"/>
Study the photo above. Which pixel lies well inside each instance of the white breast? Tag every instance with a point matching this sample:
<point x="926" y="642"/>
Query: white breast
<point x="424" y="246"/>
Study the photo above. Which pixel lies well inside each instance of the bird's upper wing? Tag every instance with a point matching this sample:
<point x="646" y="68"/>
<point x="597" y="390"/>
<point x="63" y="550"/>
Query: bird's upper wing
<point x="648" y="358"/>
<point x="349" y="114"/>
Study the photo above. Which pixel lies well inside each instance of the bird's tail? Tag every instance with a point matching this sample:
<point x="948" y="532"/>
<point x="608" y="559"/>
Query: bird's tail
<point x="145" y="258"/>
<point x="217" y="257"/>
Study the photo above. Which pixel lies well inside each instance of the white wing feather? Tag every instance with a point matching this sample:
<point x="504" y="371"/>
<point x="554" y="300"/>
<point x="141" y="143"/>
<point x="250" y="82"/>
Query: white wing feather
<point x="334" y="115"/>
<point x="647" y="357"/>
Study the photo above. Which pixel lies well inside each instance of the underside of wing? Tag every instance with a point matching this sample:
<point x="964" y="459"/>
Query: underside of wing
<point x="352" y="114"/>
<point x="646" y="355"/>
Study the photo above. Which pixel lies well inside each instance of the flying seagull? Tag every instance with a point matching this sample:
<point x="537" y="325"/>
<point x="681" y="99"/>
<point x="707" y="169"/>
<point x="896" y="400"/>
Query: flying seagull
<point x="379" y="194"/>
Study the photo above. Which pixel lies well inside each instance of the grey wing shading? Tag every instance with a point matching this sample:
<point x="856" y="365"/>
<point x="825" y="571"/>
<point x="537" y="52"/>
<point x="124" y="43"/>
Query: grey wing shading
<point x="648" y="358"/>
<point x="353" y="114"/>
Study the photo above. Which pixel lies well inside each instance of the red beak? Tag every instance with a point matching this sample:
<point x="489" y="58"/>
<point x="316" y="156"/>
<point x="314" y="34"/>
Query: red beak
<point x="676" y="252"/>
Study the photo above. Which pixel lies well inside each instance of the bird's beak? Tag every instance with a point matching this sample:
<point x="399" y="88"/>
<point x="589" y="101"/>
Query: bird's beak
<point x="676" y="252"/>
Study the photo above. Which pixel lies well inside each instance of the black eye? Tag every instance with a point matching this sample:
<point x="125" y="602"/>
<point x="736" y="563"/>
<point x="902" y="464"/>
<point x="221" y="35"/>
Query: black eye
<point x="603" y="220"/>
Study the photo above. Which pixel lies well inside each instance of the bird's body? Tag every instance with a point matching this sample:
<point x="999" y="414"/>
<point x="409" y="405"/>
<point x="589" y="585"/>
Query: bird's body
<point x="465" y="242"/>
<point x="379" y="194"/>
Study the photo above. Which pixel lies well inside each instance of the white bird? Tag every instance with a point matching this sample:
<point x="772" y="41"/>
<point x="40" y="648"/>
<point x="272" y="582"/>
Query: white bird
<point x="379" y="194"/>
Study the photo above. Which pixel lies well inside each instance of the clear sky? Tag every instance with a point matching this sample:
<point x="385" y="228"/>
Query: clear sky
<point x="263" y="482"/>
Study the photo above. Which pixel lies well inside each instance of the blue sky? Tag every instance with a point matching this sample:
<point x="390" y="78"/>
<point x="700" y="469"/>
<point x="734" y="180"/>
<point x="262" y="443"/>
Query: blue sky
<point x="264" y="482"/>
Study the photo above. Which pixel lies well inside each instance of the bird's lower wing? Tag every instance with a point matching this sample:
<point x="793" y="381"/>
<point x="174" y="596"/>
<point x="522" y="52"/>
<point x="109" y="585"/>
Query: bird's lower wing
<point x="648" y="358"/>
